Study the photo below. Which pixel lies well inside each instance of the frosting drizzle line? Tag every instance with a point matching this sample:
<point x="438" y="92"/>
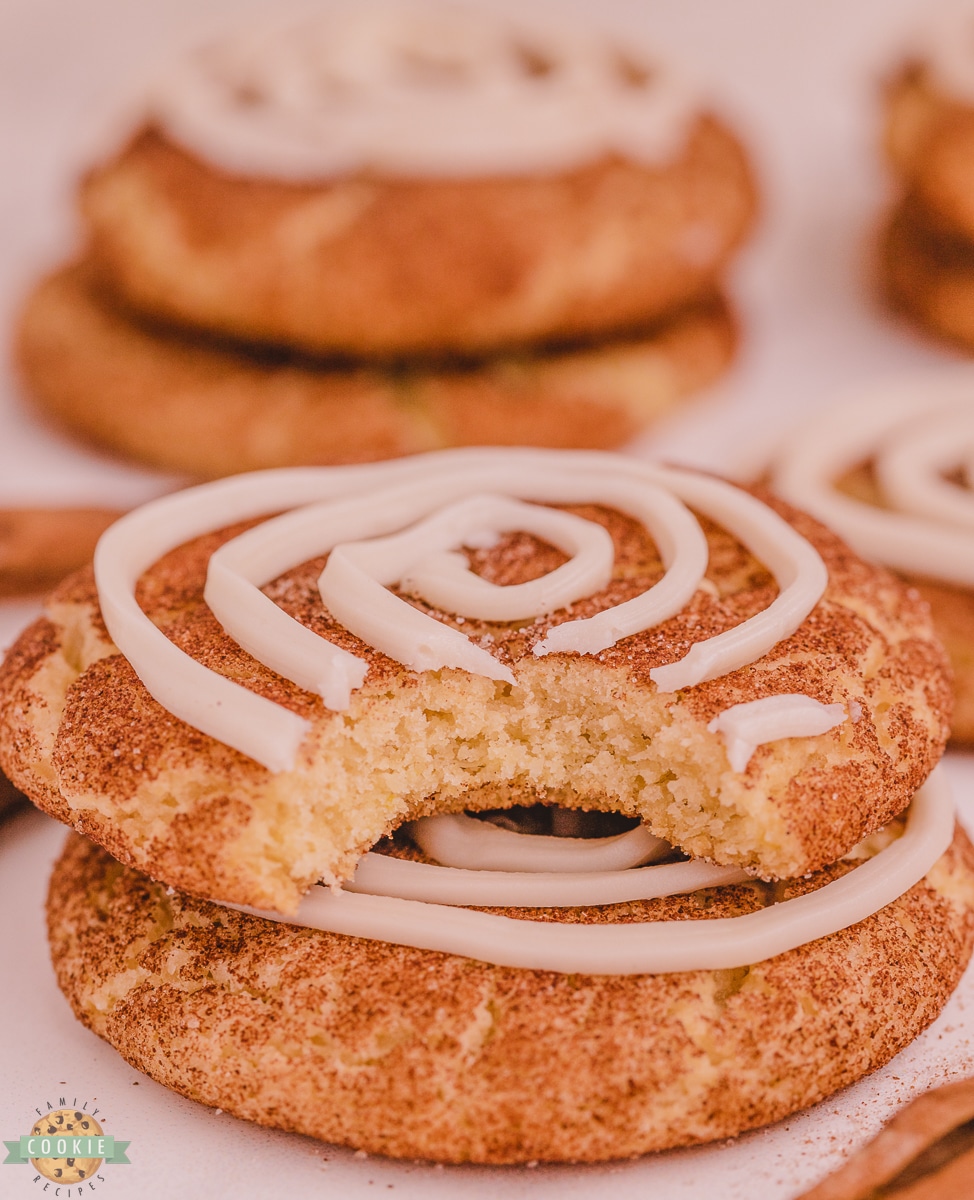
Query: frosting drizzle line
<point x="341" y="504"/>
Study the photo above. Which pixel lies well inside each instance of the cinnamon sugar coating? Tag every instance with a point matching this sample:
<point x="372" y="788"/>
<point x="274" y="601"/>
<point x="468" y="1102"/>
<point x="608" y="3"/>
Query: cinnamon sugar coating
<point x="185" y="402"/>
<point x="412" y="1053"/>
<point x="80" y="734"/>
<point x="377" y="266"/>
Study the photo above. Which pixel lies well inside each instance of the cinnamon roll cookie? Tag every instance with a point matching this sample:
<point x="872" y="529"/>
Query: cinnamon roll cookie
<point x="412" y="179"/>
<point x="543" y="722"/>
<point x="890" y="469"/>
<point x="242" y="709"/>
<point x="390" y="228"/>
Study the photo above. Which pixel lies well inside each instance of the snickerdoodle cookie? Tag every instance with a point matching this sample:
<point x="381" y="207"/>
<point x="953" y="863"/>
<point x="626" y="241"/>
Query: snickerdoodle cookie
<point x="389" y="228"/>
<point x="39" y="546"/>
<point x="190" y="404"/>
<point x="927" y="250"/>
<point x="418" y="179"/>
<point x="245" y="744"/>
<point x="421" y="1054"/>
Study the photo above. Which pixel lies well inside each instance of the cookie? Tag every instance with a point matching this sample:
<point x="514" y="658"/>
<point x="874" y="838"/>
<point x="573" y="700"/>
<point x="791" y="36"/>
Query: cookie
<point x="414" y="180"/>
<point x="418" y="1054"/>
<point x="927" y="248"/>
<point x="928" y="275"/>
<point x="39" y="546"/>
<point x="929" y="140"/>
<point x="886" y="468"/>
<point x="188" y="404"/>
<point x="355" y="708"/>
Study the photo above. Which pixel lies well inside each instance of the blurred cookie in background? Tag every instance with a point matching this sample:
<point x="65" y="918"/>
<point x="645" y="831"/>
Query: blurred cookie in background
<point x="891" y="468"/>
<point x="188" y="402"/>
<point x="927" y="248"/>
<point x="39" y="546"/>
<point x="925" y="1150"/>
<point x="10" y="797"/>
<point x="383" y="230"/>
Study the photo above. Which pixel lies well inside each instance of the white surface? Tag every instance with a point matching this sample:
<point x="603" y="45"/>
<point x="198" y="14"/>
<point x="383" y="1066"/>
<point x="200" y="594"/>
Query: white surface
<point x="800" y="81"/>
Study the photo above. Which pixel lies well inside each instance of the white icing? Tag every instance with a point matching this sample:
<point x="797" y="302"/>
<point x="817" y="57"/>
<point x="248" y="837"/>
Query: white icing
<point x="336" y="505"/>
<point x="756" y="722"/>
<point x="446" y="581"/>
<point x="456" y="840"/>
<point x="421" y="89"/>
<point x="354" y="581"/>
<point x="380" y="875"/>
<point x="913" y="461"/>
<point x="915" y="433"/>
<point x="642" y="948"/>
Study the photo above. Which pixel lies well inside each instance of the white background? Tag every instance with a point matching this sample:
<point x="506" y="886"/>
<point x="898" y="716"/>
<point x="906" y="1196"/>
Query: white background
<point x="801" y="82"/>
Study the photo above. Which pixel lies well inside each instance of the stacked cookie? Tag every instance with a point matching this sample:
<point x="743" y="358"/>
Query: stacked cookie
<point x="619" y="778"/>
<point x="928" y="245"/>
<point x="392" y="229"/>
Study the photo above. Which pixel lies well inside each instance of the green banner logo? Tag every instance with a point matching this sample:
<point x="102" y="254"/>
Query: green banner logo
<point x="67" y="1145"/>
<point x="34" y="1145"/>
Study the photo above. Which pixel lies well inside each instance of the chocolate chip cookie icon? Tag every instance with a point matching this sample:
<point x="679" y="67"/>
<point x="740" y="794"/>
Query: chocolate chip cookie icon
<point x="61" y="1127"/>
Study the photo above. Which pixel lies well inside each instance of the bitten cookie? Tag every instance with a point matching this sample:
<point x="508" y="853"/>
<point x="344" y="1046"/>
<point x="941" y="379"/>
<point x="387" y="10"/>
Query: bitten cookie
<point x="417" y="642"/>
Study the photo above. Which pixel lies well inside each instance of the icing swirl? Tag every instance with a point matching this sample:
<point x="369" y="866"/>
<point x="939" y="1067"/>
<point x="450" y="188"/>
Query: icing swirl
<point x="918" y="438"/>
<point x="421" y="89"/>
<point x="346" y="506"/>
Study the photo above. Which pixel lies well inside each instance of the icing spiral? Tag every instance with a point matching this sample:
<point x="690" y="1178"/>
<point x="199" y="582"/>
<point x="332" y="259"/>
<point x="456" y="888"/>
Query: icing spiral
<point x="391" y="522"/>
<point x="421" y="89"/>
<point x="917" y="437"/>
